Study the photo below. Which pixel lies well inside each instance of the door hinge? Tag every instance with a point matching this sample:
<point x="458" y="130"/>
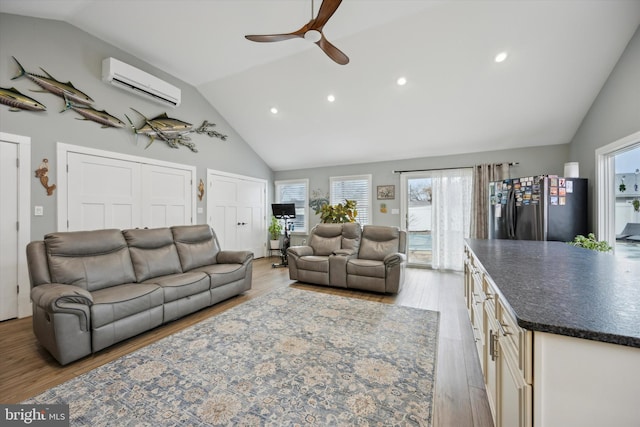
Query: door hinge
<point x="17" y="225"/>
<point x="17" y="162"/>
<point x="17" y="289"/>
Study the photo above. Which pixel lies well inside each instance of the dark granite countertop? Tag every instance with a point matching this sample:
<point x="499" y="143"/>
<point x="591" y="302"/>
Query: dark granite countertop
<point x="558" y="288"/>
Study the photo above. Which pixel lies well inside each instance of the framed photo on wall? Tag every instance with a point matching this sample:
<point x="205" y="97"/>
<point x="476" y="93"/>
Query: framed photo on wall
<point x="386" y="192"/>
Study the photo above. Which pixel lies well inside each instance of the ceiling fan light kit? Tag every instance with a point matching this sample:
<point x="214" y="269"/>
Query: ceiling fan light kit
<point x="311" y="31"/>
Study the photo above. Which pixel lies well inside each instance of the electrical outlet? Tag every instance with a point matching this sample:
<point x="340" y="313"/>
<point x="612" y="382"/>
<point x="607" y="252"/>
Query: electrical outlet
<point x="38" y="210"/>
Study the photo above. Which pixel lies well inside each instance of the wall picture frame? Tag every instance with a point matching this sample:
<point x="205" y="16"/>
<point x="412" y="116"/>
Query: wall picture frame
<point x="386" y="192"/>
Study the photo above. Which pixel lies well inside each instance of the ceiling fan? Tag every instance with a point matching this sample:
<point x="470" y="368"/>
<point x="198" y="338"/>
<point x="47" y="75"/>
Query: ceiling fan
<point x="312" y="31"/>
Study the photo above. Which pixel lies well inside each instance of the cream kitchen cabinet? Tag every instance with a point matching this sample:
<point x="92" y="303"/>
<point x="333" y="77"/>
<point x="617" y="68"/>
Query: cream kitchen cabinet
<point x="556" y="329"/>
<point x="502" y="348"/>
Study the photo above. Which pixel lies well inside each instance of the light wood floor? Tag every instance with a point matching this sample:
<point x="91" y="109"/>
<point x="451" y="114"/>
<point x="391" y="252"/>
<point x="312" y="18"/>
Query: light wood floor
<point x="460" y="399"/>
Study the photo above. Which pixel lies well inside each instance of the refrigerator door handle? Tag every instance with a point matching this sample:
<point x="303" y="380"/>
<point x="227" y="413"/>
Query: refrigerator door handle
<point x="511" y="215"/>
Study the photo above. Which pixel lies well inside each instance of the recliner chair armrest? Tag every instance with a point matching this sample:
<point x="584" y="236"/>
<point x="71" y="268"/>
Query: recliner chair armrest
<point x="395" y="258"/>
<point x="234" y="257"/>
<point x="345" y="252"/>
<point x="300" y="251"/>
<point x="61" y="298"/>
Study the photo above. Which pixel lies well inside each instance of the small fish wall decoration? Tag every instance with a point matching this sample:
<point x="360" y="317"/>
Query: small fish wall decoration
<point x="88" y="113"/>
<point x="18" y="101"/>
<point x="51" y="85"/>
<point x="42" y="173"/>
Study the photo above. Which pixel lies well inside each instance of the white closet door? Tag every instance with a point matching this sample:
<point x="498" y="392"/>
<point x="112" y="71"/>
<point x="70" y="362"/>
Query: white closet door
<point x="8" y="231"/>
<point x="166" y="196"/>
<point x="103" y="193"/>
<point x="223" y="210"/>
<point x="236" y="212"/>
<point x="251" y="197"/>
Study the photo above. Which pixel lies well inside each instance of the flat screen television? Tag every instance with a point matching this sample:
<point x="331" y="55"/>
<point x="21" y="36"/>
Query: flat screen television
<point x="284" y="210"/>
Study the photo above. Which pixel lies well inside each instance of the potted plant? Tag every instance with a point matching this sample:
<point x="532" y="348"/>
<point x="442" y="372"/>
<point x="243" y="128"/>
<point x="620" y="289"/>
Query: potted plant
<point x="275" y="229"/>
<point x="339" y="212"/>
<point x="590" y="242"/>
<point x="636" y="205"/>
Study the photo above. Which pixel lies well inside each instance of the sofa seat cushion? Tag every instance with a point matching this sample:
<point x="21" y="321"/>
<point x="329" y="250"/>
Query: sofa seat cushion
<point x="314" y="263"/>
<point x="117" y="302"/>
<point x="366" y="267"/>
<point x="176" y="286"/>
<point x="223" y="274"/>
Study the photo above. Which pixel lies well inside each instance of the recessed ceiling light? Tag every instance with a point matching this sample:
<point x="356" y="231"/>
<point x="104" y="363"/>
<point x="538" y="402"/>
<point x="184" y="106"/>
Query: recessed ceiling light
<point x="274" y="110"/>
<point x="501" y="56"/>
<point x="401" y="81"/>
<point x="331" y="98"/>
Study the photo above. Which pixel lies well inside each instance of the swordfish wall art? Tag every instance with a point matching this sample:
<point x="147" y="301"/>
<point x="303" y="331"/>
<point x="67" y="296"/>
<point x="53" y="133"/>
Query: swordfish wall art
<point x="174" y="132"/>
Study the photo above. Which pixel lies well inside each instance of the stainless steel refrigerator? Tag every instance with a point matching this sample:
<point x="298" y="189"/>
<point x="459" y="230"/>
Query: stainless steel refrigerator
<point x="538" y="208"/>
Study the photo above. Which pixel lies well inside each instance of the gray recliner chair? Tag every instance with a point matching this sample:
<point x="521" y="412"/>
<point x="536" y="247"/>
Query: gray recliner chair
<point x="324" y="259"/>
<point x="381" y="261"/>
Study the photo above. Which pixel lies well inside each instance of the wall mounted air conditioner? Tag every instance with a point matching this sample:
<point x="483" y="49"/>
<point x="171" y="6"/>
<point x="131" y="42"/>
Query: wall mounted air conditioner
<point x="137" y="81"/>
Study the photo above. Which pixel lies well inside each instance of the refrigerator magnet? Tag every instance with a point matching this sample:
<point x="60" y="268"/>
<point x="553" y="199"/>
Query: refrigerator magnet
<point x="562" y="201"/>
<point x="553" y="191"/>
<point x="569" y="186"/>
<point x="562" y="191"/>
<point x="561" y="182"/>
<point x="553" y="182"/>
<point x="554" y="200"/>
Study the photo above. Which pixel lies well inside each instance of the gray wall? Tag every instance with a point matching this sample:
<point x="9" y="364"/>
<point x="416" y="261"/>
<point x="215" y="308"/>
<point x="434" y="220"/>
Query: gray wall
<point x="70" y="54"/>
<point x="614" y="114"/>
<point x="548" y="159"/>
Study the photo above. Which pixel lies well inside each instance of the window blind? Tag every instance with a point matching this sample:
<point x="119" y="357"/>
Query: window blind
<point x="294" y="192"/>
<point x="356" y="188"/>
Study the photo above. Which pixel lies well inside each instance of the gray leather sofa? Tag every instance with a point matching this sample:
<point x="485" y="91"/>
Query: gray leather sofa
<point x="371" y="258"/>
<point x="91" y="289"/>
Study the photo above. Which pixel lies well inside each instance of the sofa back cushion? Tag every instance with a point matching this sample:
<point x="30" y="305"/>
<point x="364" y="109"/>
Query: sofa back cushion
<point x="351" y="236"/>
<point x="91" y="260"/>
<point x="378" y="242"/>
<point x="197" y="245"/>
<point x="152" y="252"/>
<point x="325" y="239"/>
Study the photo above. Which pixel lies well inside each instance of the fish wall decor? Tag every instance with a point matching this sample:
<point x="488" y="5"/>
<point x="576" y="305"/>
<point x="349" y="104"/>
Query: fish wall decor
<point x="172" y="131"/>
<point x="18" y="101"/>
<point x="88" y="113"/>
<point x="51" y="85"/>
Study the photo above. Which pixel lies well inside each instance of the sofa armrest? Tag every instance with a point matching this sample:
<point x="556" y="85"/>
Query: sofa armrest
<point x="234" y="257"/>
<point x="61" y="298"/>
<point x="300" y="251"/>
<point x="394" y="258"/>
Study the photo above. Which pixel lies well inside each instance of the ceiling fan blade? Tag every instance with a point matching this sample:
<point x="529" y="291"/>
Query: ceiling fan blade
<point x="327" y="9"/>
<point x="332" y="52"/>
<point x="272" y="37"/>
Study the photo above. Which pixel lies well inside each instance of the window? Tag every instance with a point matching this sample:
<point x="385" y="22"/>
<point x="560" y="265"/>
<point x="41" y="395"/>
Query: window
<point x="297" y="192"/>
<point x="358" y="188"/>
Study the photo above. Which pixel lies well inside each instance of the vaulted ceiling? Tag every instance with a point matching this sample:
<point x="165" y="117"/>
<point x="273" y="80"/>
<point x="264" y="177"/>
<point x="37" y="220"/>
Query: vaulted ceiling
<point x="456" y="99"/>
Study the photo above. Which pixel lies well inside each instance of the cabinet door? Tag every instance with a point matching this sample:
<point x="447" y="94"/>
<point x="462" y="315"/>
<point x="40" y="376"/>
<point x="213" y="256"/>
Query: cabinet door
<point x="514" y="394"/>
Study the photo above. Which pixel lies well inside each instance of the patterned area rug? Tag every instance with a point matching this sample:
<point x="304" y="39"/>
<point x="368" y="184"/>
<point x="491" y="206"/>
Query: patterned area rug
<point x="291" y="357"/>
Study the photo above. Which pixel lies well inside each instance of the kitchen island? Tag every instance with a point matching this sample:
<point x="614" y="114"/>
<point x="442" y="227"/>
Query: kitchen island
<point x="557" y="330"/>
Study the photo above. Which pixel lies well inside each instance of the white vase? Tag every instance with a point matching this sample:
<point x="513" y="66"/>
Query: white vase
<point x="275" y="244"/>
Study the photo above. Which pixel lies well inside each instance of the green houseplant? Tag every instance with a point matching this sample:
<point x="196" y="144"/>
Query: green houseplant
<point x="339" y="212"/>
<point x="636" y="205"/>
<point x="590" y="242"/>
<point x="275" y="229"/>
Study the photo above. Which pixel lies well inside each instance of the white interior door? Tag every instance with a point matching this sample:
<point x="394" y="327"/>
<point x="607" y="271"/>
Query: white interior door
<point x="103" y="193"/>
<point x="236" y="211"/>
<point x="166" y="196"/>
<point x="101" y="189"/>
<point x="8" y="230"/>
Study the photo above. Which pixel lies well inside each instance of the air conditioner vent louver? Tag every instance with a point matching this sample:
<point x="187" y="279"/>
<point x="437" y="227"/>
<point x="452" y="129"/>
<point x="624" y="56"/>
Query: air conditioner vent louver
<point x="139" y="82"/>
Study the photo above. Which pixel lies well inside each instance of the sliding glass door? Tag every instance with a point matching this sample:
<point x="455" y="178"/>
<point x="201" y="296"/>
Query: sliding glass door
<point x="418" y="220"/>
<point x="436" y="208"/>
